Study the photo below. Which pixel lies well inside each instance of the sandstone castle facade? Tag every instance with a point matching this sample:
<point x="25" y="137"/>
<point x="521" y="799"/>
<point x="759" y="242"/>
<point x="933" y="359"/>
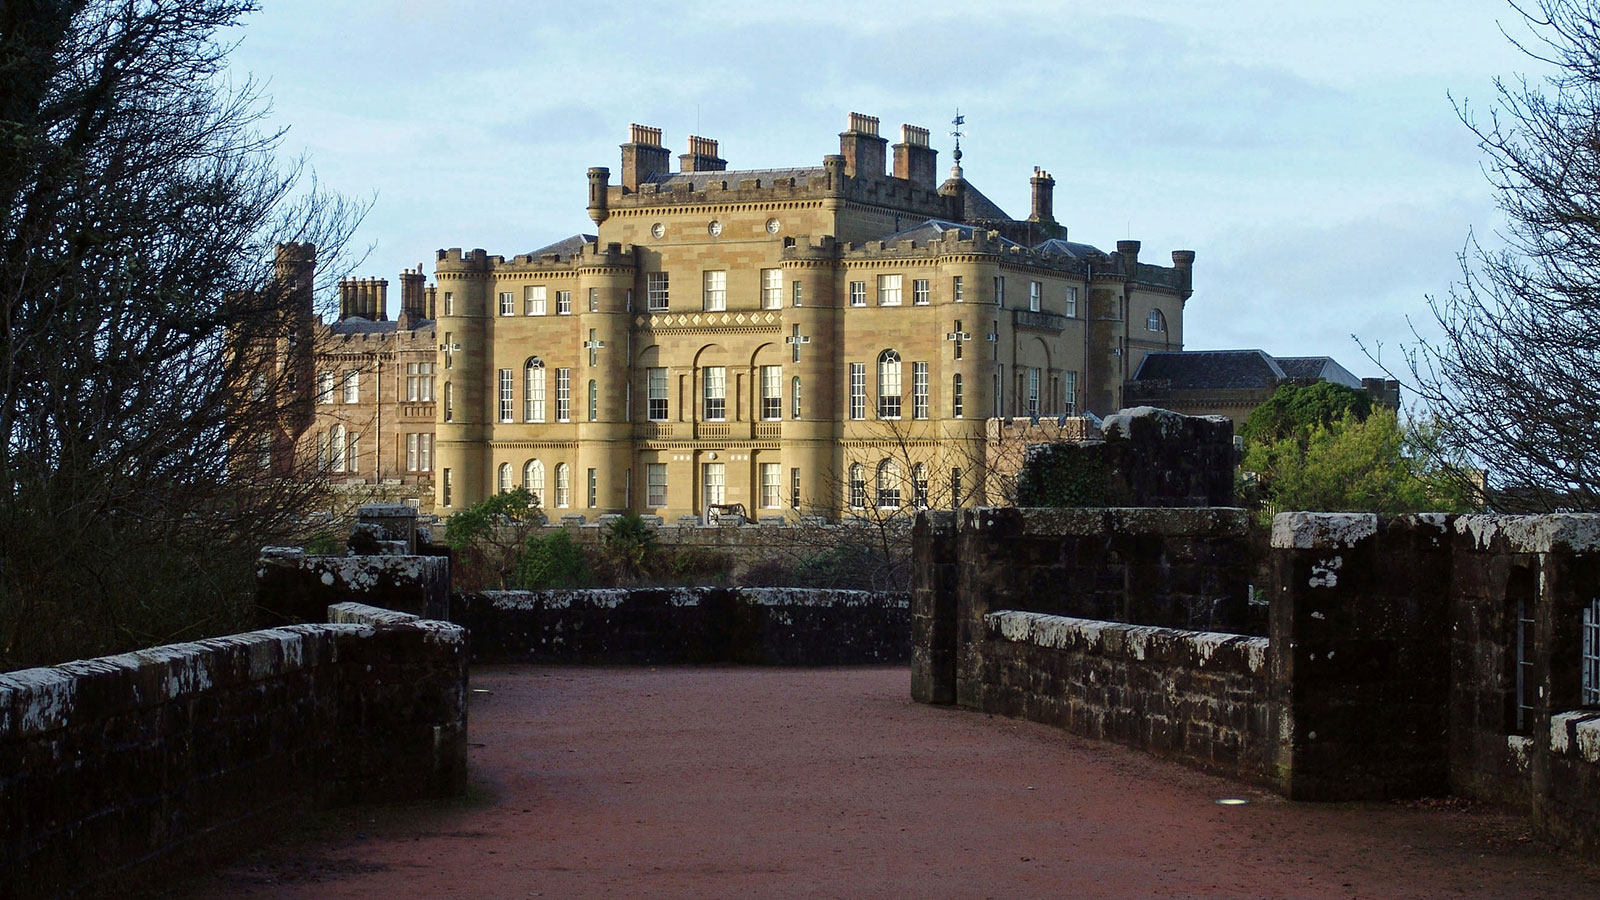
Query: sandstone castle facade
<point x="805" y="341"/>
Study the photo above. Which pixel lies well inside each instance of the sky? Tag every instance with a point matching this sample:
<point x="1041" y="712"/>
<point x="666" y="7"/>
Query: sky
<point x="1310" y="153"/>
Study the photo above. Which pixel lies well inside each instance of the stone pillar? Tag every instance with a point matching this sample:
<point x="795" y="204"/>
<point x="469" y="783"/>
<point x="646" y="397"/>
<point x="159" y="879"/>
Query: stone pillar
<point x="935" y="571"/>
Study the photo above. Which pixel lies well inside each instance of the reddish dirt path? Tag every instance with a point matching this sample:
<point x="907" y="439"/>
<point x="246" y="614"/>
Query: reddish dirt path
<point x="735" y="782"/>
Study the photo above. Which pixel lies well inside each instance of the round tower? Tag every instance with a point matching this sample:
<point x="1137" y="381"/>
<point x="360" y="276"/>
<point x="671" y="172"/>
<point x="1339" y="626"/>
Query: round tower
<point x="810" y="330"/>
<point x="605" y="283"/>
<point x="463" y="417"/>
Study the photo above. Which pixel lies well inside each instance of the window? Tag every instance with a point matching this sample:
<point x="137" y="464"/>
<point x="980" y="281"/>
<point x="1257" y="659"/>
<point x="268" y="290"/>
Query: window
<point x="919" y="486"/>
<point x="352" y="386"/>
<point x="355" y="453"/>
<point x="655" y="490"/>
<point x="888" y="385"/>
<point x="419" y="382"/>
<point x="858" y="390"/>
<point x="324" y="387"/>
<point x="920" y="296"/>
<point x="507" y="395"/>
<point x="955" y="488"/>
<point x="858" y="486"/>
<point x="563" y="485"/>
<point x="655" y="291"/>
<point x="716" y="290"/>
<point x="419" y="452"/>
<point x="956" y="295"/>
<point x="888" y="485"/>
<point x="794" y="488"/>
<point x="594" y="299"/>
<point x="1033" y="391"/>
<point x="1069" y="393"/>
<point x="505" y="478"/>
<point x="772" y="288"/>
<point x="1035" y="296"/>
<point x="794" y="397"/>
<point x="858" y="293"/>
<point x="715" y="480"/>
<point x="771" y="486"/>
<point x="1155" y="321"/>
<point x="656" y="394"/>
<point x="592" y="483"/>
<point x="449" y="310"/>
<point x="563" y="303"/>
<point x="533" y="390"/>
<point x="1000" y="290"/>
<point x="958" y="337"/>
<point x="716" y="393"/>
<point x="1072" y="302"/>
<point x="264" y="450"/>
<point x="449" y="402"/>
<point x="1589" y="677"/>
<point x="919" y="390"/>
<point x="594" y="401"/>
<point x="533" y="480"/>
<point x="336" y="448"/>
<point x="444" y="483"/>
<point x="508" y="307"/>
<point x="771" y="392"/>
<point x="449" y="350"/>
<point x="794" y="292"/>
<point x="563" y="395"/>
<point x="999" y="392"/>
<point x="888" y="290"/>
<point x="1521" y="595"/>
<point x="533" y="300"/>
<point x="955" y="397"/>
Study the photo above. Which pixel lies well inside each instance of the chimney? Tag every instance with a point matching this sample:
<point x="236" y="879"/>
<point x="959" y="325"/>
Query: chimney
<point x="1044" y="192"/>
<point x="413" y="308"/>
<point x="702" y="156"/>
<point x="599" y="186"/>
<point x="862" y="149"/>
<point x="914" y="160"/>
<point x="347" y="298"/>
<point x="1183" y="261"/>
<point x="643" y="157"/>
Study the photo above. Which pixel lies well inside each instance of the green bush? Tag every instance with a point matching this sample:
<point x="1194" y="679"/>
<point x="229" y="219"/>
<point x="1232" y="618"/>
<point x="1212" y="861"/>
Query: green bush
<point x="552" y="562"/>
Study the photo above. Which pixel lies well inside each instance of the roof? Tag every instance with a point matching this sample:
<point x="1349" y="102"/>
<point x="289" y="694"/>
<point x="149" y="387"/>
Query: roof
<point x="977" y="207"/>
<point x="359" y="325"/>
<point x="699" y="181"/>
<point x="1320" y="368"/>
<point x="934" y="229"/>
<point x="1069" y="248"/>
<point x="1190" y="370"/>
<point x="566" y="246"/>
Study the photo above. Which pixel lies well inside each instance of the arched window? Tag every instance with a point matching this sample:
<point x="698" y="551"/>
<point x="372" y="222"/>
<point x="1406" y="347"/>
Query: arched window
<point x="919" y="486"/>
<point x="888" y="485"/>
<point x="505" y="478"/>
<point x="533" y="390"/>
<point x="563" y="485"/>
<point x="533" y="480"/>
<point x="858" y="486"/>
<point x="449" y="402"/>
<point x="336" y="448"/>
<point x="1156" y="321"/>
<point x="888" y="385"/>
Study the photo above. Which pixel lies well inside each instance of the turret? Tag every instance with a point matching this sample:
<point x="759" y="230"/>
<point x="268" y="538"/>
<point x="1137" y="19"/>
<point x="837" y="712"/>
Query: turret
<point x="599" y="186"/>
<point x="1183" y="261"/>
<point x="1129" y="251"/>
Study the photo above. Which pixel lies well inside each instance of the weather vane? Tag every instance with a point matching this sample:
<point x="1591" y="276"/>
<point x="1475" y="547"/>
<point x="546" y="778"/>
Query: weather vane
<point x="958" y="134"/>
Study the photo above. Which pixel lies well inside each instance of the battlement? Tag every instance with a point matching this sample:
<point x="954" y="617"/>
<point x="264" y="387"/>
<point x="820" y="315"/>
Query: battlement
<point x="454" y="260"/>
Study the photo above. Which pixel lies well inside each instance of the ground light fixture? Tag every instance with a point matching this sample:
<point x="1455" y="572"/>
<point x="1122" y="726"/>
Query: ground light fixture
<point x="1232" y="801"/>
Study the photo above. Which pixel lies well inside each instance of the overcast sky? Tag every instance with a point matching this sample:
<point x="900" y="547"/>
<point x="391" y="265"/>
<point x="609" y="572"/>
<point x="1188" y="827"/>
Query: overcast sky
<point x="1308" y="152"/>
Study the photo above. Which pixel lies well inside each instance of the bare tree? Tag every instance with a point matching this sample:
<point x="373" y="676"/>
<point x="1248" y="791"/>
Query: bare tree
<point x="1512" y="380"/>
<point x="155" y="343"/>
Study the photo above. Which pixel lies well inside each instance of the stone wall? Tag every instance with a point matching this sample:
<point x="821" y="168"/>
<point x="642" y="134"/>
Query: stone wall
<point x="115" y="769"/>
<point x="769" y="626"/>
<point x="293" y="586"/>
<point x="1149" y="457"/>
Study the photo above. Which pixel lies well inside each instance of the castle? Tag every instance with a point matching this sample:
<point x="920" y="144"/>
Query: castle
<point x="803" y="341"/>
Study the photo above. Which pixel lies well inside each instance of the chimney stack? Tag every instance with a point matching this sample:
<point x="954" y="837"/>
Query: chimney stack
<point x="702" y="156"/>
<point x="643" y="157"/>
<point x="413" y="307"/>
<point x="862" y="149"/>
<point x="914" y="160"/>
<point x="1044" y="192"/>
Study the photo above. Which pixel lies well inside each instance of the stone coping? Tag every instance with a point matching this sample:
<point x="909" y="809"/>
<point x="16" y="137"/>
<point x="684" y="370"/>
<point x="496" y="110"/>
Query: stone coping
<point x="1162" y="521"/>
<point x="1576" y="532"/>
<point x="1577" y="734"/>
<point x="1316" y="531"/>
<point x="612" y="598"/>
<point x="1140" y="643"/>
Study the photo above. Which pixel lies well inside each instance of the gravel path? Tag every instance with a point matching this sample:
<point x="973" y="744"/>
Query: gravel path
<point x="744" y="782"/>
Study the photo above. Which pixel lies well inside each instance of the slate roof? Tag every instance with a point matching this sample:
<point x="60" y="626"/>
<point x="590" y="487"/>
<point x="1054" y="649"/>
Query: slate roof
<point x="566" y="246"/>
<point x="359" y="325"/>
<point x="698" y="181"/>
<point x="978" y="207"/>
<point x="1192" y="370"/>
<point x="1069" y="248"/>
<point x="934" y="229"/>
<point x="1321" y="368"/>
